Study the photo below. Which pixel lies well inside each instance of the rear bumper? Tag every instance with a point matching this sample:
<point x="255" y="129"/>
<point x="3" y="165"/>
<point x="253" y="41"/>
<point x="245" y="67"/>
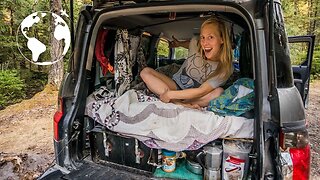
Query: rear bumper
<point x="91" y="170"/>
<point x="54" y="172"/>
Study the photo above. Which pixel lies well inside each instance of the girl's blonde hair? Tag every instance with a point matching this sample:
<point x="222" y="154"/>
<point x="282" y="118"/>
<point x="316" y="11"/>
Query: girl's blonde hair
<point x="224" y="68"/>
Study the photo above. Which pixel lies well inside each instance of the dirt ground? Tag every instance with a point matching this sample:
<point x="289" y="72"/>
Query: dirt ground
<point x="26" y="131"/>
<point x="313" y="115"/>
<point x="26" y="145"/>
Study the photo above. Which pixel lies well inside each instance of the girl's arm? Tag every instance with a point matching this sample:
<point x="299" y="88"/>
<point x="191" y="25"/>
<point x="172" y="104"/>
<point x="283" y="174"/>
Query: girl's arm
<point x="186" y="94"/>
<point x="178" y="43"/>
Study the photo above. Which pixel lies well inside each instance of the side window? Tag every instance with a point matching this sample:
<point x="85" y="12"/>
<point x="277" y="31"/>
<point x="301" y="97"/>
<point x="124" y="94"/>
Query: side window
<point x="166" y="56"/>
<point x="301" y="51"/>
<point x="298" y="52"/>
<point x="163" y="50"/>
<point x="180" y="53"/>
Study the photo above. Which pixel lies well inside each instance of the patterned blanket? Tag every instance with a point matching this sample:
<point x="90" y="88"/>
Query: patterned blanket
<point x="162" y="125"/>
<point x="235" y="100"/>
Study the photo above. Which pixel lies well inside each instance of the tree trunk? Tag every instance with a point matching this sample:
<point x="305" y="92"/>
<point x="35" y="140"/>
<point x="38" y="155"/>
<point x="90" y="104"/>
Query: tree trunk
<point x="314" y="24"/>
<point x="22" y="64"/>
<point x="11" y="22"/>
<point x="12" y="33"/>
<point x="295" y="5"/>
<point x="39" y="68"/>
<point x="55" y="75"/>
<point x="309" y="15"/>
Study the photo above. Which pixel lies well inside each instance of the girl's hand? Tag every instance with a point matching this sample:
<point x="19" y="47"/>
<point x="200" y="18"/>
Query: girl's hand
<point x="188" y="105"/>
<point x="164" y="97"/>
<point x="193" y="106"/>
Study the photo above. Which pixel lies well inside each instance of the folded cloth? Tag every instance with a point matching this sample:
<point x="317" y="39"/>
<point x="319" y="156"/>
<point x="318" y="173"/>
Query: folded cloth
<point x="235" y="100"/>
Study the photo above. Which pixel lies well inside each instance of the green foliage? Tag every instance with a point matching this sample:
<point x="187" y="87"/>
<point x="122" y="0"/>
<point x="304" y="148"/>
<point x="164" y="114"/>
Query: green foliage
<point x="295" y="17"/>
<point x="24" y="81"/>
<point x="181" y="53"/>
<point x="7" y="49"/>
<point x="298" y="52"/>
<point x="163" y="49"/>
<point x="12" y="88"/>
<point x="302" y="18"/>
<point x="315" y="68"/>
<point x="34" y="81"/>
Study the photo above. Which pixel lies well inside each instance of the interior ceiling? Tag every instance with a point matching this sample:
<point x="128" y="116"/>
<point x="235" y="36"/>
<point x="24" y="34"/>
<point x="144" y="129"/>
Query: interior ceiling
<point x="181" y="29"/>
<point x="182" y="26"/>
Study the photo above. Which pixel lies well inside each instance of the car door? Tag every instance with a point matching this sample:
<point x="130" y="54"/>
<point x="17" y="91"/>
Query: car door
<point x="301" y="53"/>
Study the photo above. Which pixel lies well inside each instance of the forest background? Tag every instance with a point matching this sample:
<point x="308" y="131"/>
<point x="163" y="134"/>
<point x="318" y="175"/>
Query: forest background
<point x="20" y="79"/>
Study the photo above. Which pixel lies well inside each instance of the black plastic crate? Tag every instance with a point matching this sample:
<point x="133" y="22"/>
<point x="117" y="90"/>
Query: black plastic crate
<point x="112" y="147"/>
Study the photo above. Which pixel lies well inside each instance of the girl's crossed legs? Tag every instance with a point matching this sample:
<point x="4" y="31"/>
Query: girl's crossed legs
<point x="159" y="83"/>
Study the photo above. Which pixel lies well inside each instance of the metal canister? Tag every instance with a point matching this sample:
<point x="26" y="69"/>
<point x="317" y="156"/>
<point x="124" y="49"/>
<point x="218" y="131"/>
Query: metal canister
<point x="212" y="156"/>
<point x="168" y="160"/>
<point x="212" y="174"/>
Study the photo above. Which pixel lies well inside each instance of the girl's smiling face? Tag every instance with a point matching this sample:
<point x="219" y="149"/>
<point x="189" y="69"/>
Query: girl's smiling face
<point x="211" y="41"/>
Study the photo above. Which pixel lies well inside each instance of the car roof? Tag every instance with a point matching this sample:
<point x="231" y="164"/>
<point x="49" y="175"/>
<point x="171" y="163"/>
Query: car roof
<point x="125" y="2"/>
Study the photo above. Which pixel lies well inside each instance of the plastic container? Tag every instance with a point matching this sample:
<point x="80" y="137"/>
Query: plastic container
<point x="235" y="159"/>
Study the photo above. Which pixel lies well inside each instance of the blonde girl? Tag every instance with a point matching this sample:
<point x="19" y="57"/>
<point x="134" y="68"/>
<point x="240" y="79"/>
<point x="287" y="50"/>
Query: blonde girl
<point x="208" y="66"/>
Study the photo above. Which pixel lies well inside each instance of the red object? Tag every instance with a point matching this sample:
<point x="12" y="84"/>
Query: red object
<point x="99" y="51"/>
<point x="56" y="119"/>
<point x="301" y="162"/>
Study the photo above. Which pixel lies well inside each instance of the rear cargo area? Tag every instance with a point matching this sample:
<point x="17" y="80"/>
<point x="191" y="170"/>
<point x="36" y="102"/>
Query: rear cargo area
<point x="129" y="128"/>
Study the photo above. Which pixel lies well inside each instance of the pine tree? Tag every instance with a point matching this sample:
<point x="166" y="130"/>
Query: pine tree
<point x="55" y="75"/>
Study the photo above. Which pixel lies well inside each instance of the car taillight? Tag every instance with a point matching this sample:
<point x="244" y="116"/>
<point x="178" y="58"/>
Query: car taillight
<point x="297" y="144"/>
<point x="56" y="119"/>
